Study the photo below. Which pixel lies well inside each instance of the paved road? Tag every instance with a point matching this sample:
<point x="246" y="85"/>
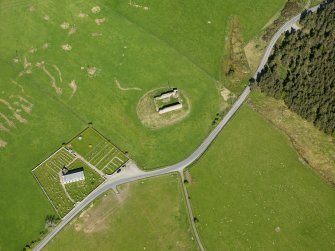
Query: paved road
<point x="287" y="26"/>
<point x="131" y="173"/>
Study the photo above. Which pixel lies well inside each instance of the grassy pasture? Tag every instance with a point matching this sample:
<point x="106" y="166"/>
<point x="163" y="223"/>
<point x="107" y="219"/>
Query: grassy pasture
<point x="123" y="52"/>
<point x="146" y="215"/>
<point x="250" y="191"/>
<point x="197" y="29"/>
<point x="22" y="218"/>
<point x="314" y="146"/>
<point x="64" y="97"/>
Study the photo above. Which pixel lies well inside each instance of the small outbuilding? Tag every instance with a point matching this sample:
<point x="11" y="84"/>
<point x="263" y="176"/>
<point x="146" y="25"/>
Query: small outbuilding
<point x="74" y="175"/>
<point x="170" y="108"/>
<point x="169" y="94"/>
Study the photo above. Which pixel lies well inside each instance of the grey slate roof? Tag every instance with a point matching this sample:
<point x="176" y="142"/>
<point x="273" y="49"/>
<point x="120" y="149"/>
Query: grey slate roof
<point x="73" y="175"/>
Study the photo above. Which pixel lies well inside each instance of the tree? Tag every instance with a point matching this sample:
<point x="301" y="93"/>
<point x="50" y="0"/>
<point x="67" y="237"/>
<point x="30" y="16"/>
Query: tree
<point x="301" y="70"/>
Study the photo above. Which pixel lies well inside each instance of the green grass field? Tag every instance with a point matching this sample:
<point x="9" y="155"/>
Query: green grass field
<point x="316" y="147"/>
<point x="201" y="24"/>
<point x="147" y="215"/>
<point x="250" y="191"/>
<point x="48" y="93"/>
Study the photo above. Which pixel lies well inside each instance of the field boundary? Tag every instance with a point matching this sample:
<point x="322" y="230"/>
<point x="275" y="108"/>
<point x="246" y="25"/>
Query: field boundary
<point x="158" y="38"/>
<point x="189" y="210"/>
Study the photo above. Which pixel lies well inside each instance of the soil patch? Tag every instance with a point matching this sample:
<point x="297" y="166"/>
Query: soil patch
<point x="95" y="9"/>
<point x="6" y="104"/>
<point x="23" y="103"/>
<point x="235" y="64"/>
<point x="100" y="21"/>
<point x="65" y="26"/>
<point x="59" y="72"/>
<point x="45" y="46"/>
<point x="3" y="128"/>
<point x="96" y="34"/>
<point x="66" y="47"/>
<point x="92" y="71"/>
<point x="254" y="51"/>
<point x="32" y="50"/>
<point x="39" y="64"/>
<point x="73" y="86"/>
<point x="9" y="122"/>
<point x="26" y="63"/>
<point x="149" y="117"/>
<point x="17" y="84"/>
<point x="81" y="14"/>
<point x="225" y="93"/>
<point x="72" y="30"/>
<point x="135" y="5"/>
<point x="20" y="118"/>
<point x="188" y="176"/>
<point x="26" y="108"/>
<point x="58" y="90"/>
<point x="2" y="143"/>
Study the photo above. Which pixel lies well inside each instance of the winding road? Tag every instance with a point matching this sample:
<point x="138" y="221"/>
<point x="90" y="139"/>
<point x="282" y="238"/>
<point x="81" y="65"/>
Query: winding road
<point x="131" y="173"/>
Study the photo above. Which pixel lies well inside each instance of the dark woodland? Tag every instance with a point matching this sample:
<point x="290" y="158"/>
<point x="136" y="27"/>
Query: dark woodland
<point x="301" y="70"/>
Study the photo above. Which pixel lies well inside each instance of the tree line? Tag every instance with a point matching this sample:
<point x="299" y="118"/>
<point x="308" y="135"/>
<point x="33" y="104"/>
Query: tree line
<point x="301" y="69"/>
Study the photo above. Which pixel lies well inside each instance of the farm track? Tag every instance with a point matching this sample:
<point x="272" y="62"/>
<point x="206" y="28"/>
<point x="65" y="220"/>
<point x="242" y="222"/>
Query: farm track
<point x="133" y="174"/>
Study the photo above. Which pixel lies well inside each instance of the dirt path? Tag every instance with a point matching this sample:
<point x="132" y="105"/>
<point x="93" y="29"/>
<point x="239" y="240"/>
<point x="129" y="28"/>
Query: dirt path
<point x="3" y="128"/>
<point x="24" y="103"/>
<point x="74" y="87"/>
<point x="17" y="84"/>
<point x="8" y="121"/>
<point x="53" y="81"/>
<point x="59" y="72"/>
<point x="117" y="82"/>
<point x="20" y="118"/>
<point x="7" y="104"/>
<point x="2" y="143"/>
<point x="67" y="194"/>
